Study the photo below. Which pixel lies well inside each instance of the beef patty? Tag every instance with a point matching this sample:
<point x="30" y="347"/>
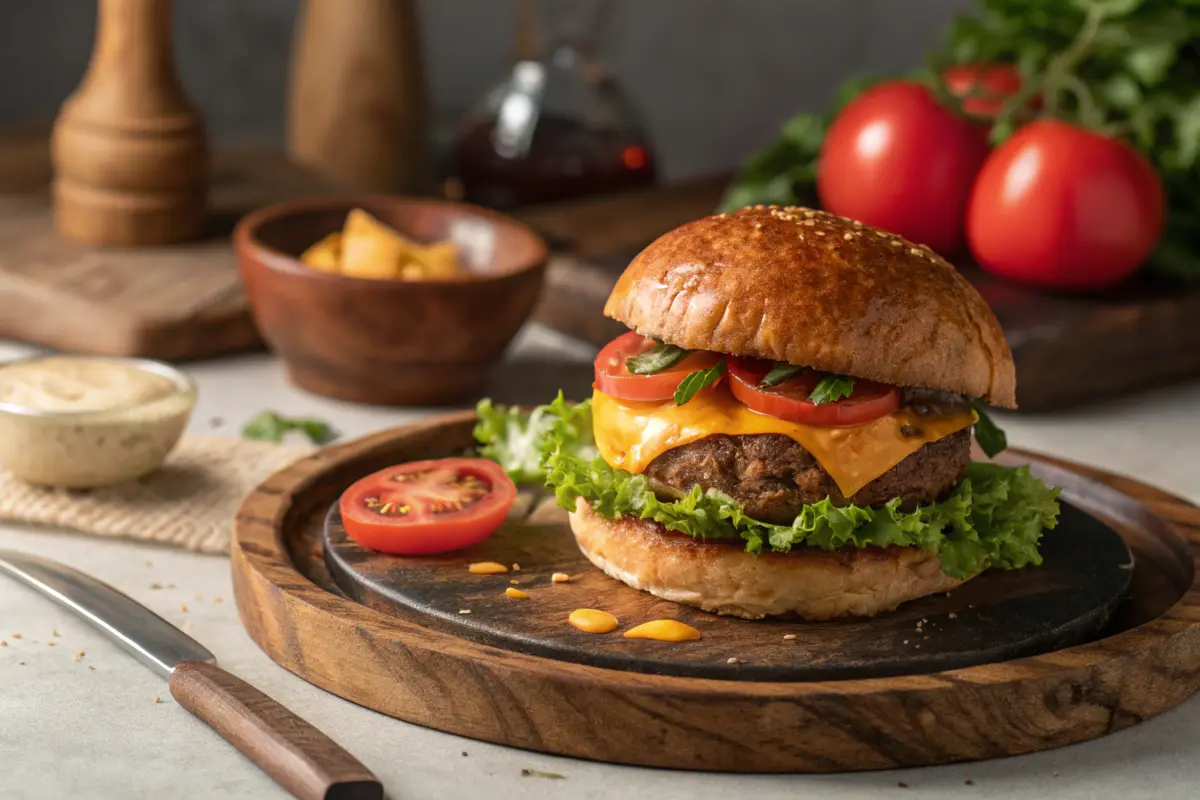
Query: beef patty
<point x="773" y="477"/>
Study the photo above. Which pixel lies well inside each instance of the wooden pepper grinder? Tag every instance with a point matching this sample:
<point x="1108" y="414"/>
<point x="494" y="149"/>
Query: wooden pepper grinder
<point x="357" y="102"/>
<point x="129" y="151"/>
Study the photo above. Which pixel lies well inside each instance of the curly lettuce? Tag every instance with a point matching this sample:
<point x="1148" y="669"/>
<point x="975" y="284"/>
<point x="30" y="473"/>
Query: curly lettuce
<point x="994" y="518"/>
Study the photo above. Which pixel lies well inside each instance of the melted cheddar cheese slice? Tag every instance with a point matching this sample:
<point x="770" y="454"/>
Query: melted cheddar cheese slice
<point x="630" y="435"/>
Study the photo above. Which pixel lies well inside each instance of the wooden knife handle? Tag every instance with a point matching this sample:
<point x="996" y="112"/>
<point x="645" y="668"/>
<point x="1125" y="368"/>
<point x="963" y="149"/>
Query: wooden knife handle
<point x="303" y="760"/>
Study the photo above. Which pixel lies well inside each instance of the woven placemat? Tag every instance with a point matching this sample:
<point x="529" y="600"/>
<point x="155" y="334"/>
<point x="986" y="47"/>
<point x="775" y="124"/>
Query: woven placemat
<point x="189" y="503"/>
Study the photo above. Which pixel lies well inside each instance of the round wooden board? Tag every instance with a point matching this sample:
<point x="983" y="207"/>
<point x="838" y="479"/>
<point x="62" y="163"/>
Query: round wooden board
<point x="998" y="616"/>
<point x="1147" y="661"/>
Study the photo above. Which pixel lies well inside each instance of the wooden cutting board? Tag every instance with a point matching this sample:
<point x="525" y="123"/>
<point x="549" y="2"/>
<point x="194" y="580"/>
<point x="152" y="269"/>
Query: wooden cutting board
<point x="1068" y="349"/>
<point x="170" y="303"/>
<point x="609" y="700"/>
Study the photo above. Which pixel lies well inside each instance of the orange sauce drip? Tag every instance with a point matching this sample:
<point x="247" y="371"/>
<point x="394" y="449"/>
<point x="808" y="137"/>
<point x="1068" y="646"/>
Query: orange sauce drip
<point x="664" y="630"/>
<point x="590" y="620"/>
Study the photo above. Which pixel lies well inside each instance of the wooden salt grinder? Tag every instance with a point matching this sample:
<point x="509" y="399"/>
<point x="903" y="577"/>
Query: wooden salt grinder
<point x="357" y="106"/>
<point x="129" y="151"/>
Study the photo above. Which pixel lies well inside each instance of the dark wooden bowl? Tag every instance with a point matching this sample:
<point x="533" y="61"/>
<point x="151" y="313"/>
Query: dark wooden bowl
<point x="389" y="342"/>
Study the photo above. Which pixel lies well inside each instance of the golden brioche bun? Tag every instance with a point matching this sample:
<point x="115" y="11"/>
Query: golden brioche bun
<point x="722" y="577"/>
<point x="811" y="288"/>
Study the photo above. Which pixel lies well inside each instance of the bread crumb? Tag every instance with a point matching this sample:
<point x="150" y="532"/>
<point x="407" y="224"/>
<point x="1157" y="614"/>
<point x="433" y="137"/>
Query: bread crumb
<point x="157" y="699"/>
<point x="952" y="615"/>
<point x="183" y="607"/>
<point x="217" y="601"/>
<point x="902" y="784"/>
<point x="48" y="644"/>
<point x="75" y="659"/>
<point x="968" y="782"/>
<point x="560" y="577"/>
<point x="1052" y="774"/>
<point x="905" y="641"/>
<point x="516" y="567"/>
<point x="149" y="564"/>
<point x="54" y="632"/>
<point x="787" y="637"/>
<point x="733" y="661"/>
<point x="16" y="636"/>
<point x="3" y="643"/>
<point x="81" y="654"/>
<point x="93" y="669"/>
<point x="22" y="663"/>
<point x="464" y="611"/>
<point x="916" y="647"/>
<point x="156" y="585"/>
<point x="516" y="594"/>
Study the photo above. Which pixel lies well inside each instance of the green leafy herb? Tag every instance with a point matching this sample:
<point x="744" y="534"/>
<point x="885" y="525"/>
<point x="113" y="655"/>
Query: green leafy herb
<point x="780" y="373"/>
<point x="994" y="517"/>
<point x="1125" y="68"/>
<point x="537" y="773"/>
<point x="269" y="426"/>
<point x="656" y="359"/>
<point x="514" y="439"/>
<point x="830" y="388"/>
<point x="698" y="380"/>
<point x="990" y="437"/>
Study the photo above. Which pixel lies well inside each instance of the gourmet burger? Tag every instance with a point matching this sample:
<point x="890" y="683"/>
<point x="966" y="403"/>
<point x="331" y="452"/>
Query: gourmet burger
<point x="787" y="426"/>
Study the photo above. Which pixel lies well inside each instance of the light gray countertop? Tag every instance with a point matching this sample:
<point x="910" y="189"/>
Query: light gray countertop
<point x="68" y="731"/>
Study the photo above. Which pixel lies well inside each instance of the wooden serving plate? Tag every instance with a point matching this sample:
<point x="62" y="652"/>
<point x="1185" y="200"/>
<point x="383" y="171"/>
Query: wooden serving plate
<point x="399" y="662"/>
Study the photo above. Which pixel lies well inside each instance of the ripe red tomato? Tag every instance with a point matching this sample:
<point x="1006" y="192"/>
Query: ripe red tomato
<point x="995" y="82"/>
<point x="1060" y="206"/>
<point x="895" y="159"/>
<point x="615" y="380"/>
<point x="789" y="400"/>
<point x="425" y="507"/>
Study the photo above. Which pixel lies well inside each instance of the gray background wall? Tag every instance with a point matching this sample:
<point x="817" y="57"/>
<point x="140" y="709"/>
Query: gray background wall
<point x="712" y="78"/>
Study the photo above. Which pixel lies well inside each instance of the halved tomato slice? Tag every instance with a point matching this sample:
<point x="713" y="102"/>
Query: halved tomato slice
<point x="615" y="380"/>
<point x="427" y="507"/>
<point x="789" y="400"/>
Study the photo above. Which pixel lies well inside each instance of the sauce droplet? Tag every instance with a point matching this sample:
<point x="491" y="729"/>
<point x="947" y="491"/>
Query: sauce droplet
<point x="663" y="630"/>
<point x="590" y="620"/>
<point x="486" y="568"/>
<point x="516" y="594"/>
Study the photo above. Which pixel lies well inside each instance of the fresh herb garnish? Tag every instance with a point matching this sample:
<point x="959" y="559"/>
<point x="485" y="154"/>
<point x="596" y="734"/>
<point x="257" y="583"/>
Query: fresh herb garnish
<point x="537" y="773"/>
<point x="780" y="373"/>
<point x="269" y="426"/>
<point x="698" y="380"/>
<point x="991" y="439"/>
<point x="830" y="388"/>
<point x="656" y="359"/>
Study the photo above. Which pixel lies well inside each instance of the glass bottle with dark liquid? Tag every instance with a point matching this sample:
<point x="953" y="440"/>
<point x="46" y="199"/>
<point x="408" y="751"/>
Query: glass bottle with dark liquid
<point x="558" y="127"/>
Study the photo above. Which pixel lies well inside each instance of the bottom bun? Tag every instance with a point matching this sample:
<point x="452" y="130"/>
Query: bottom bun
<point x="722" y="577"/>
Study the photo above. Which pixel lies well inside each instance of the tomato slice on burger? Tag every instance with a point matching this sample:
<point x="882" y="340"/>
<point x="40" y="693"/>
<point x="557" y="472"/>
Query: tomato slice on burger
<point x="789" y="400"/>
<point x="615" y="380"/>
<point x="425" y="507"/>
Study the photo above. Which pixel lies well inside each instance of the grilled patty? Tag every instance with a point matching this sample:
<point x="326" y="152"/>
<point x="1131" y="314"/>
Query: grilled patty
<point x="773" y="477"/>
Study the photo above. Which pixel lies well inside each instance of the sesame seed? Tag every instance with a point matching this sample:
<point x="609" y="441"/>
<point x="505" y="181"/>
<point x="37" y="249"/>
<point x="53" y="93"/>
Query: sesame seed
<point x="217" y="601"/>
<point x="905" y="641"/>
<point x="916" y="251"/>
<point x="809" y="214"/>
<point x="787" y="637"/>
<point x="820" y="233"/>
<point x="848" y="236"/>
<point x="156" y="585"/>
<point x="16" y="636"/>
<point x="733" y="661"/>
<point x="896" y="243"/>
<point x="560" y="577"/>
<point x="857" y="225"/>
<point x="882" y="234"/>
<point x="464" y="611"/>
<point x="516" y="567"/>
<point x="952" y="615"/>
<point x="809" y="223"/>
<point x="75" y="659"/>
<point x="54" y="632"/>
<point x="50" y="644"/>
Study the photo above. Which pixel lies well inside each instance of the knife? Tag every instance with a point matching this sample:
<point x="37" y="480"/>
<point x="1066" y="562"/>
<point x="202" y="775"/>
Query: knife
<point x="299" y="757"/>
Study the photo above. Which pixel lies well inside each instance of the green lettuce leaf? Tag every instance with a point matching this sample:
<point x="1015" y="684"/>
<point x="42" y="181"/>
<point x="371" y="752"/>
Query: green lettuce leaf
<point x="994" y="518"/>
<point x="515" y="439"/>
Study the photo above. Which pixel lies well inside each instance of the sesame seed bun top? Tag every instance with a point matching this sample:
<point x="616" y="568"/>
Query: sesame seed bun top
<point x="811" y="288"/>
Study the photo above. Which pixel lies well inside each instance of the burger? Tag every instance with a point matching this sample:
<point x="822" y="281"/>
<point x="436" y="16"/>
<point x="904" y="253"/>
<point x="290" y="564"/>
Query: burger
<point x="787" y="426"/>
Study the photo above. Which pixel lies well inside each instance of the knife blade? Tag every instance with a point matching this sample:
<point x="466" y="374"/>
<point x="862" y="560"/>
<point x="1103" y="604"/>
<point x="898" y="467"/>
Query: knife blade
<point x="299" y="757"/>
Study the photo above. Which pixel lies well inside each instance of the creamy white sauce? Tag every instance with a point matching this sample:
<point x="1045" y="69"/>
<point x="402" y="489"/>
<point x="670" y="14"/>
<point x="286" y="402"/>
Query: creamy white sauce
<point x="78" y="421"/>
<point x="72" y="383"/>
